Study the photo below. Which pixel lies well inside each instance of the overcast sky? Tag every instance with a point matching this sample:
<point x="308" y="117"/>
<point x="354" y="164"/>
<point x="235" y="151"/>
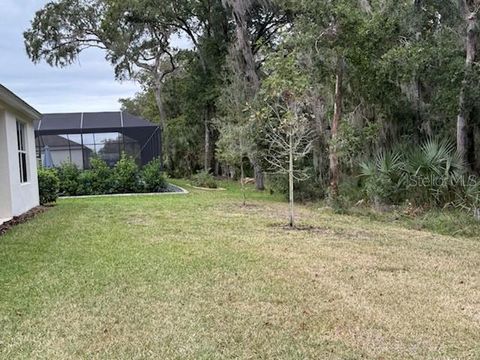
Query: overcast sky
<point x="87" y="86"/>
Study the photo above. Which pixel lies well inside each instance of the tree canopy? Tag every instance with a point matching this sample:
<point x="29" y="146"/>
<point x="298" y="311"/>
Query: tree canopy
<point x="375" y="75"/>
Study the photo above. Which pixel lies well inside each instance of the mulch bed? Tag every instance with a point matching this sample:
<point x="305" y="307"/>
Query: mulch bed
<point x="22" y="218"/>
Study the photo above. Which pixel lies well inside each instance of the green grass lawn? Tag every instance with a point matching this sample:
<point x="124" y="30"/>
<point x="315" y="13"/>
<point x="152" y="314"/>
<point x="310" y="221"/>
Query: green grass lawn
<point x="202" y="277"/>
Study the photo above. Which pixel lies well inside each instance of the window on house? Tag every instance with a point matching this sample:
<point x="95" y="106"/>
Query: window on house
<point x="22" y="152"/>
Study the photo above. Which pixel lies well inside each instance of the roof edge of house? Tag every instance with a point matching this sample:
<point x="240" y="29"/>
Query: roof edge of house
<point x="9" y="98"/>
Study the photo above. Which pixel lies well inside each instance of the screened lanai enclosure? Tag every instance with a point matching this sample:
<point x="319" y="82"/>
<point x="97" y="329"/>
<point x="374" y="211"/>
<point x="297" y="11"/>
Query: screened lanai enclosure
<point x="76" y="137"/>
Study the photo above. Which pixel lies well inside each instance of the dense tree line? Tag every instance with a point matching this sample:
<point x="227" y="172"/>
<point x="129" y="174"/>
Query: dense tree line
<point x="368" y="76"/>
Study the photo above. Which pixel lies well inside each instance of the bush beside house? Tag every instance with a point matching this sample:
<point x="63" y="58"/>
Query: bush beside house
<point x="152" y="177"/>
<point x="100" y="179"/>
<point x="48" y="185"/>
<point x="126" y="176"/>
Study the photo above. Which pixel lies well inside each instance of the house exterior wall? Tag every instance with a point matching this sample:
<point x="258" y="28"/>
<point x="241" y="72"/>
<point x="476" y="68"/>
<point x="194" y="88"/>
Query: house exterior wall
<point x="16" y="197"/>
<point x="5" y="189"/>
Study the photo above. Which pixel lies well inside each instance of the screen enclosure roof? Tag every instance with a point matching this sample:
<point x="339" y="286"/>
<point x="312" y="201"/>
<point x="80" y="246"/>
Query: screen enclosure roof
<point x="90" y="122"/>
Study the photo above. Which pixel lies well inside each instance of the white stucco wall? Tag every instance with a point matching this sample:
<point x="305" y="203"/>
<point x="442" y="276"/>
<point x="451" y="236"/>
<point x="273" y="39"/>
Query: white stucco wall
<point x="5" y="189"/>
<point x="16" y="197"/>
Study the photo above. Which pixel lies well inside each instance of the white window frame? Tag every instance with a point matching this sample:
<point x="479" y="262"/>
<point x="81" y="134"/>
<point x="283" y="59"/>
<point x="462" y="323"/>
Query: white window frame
<point x="22" y="149"/>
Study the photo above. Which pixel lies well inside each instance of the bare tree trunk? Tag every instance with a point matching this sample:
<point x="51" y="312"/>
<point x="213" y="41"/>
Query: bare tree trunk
<point x="243" y="46"/>
<point x="250" y="67"/>
<point x="207" y="142"/>
<point x="244" y="54"/>
<point x="158" y="89"/>
<point x="476" y="134"/>
<point x="258" y="173"/>
<point x="464" y="114"/>
<point x="242" y="181"/>
<point x="259" y="177"/>
<point x="462" y="129"/>
<point x="423" y="123"/>
<point x="337" y="117"/>
<point x="290" y="181"/>
<point x="165" y="151"/>
<point x="246" y="66"/>
<point x="320" y="148"/>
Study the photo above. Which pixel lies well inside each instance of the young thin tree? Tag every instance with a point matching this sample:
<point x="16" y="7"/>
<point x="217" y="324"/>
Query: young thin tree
<point x="233" y="147"/>
<point x="289" y="134"/>
<point x="236" y="132"/>
<point x="290" y="140"/>
<point x="336" y="121"/>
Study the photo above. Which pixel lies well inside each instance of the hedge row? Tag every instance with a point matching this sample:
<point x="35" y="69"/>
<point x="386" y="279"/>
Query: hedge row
<point x="125" y="177"/>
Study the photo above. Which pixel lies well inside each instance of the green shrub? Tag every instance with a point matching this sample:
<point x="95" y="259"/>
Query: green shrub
<point x="68" y="175"/>
<point x="351" y="189"/>
<point x="383" y="178"/>
<point x="152" y="177"/>
<point x="48" y="185"/>
<point x="100" y="177"/>
<point x="434" y="171"/>
<point x="431" y="175"/>
<point x="277" y="184"/>
<point x="86" y="179"/>
<point x="467" y="197"/>
<point x="304" y="191"/>
<point x="126" y="175"/>
<point x="204" y="179"/>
